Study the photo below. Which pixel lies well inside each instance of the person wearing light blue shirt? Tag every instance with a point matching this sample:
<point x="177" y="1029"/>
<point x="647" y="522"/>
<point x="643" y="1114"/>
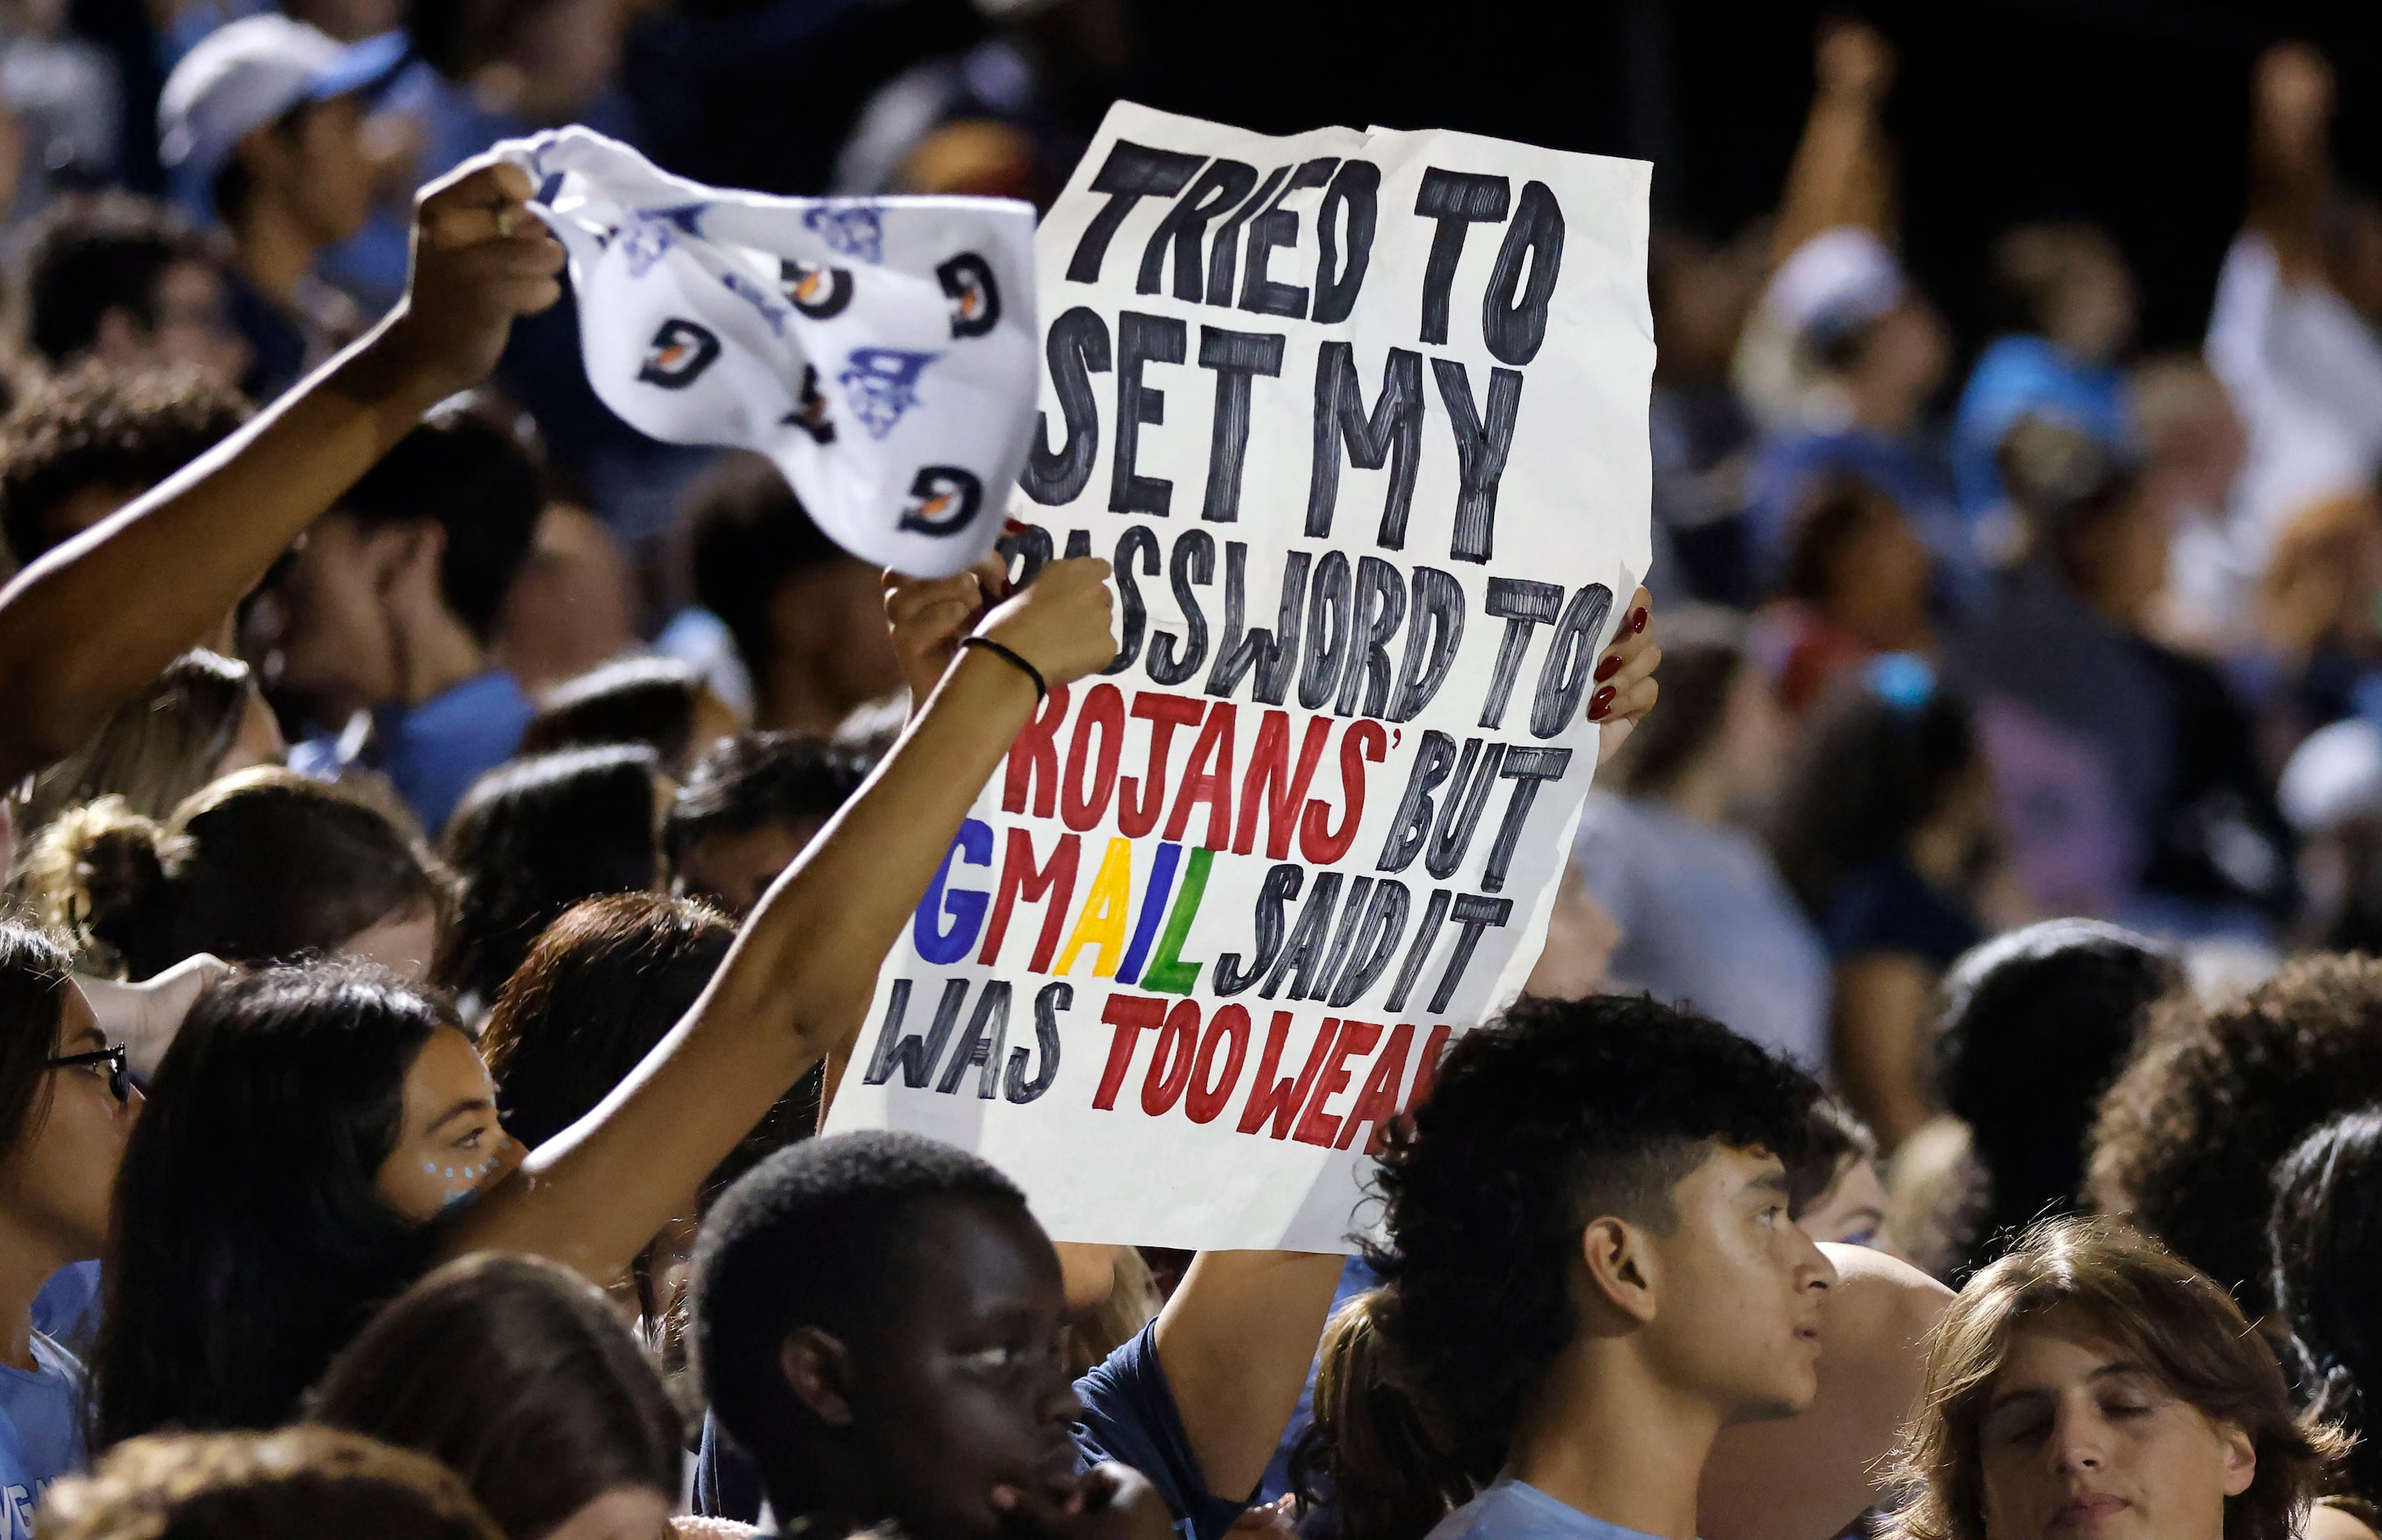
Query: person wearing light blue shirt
<point x="2066" y="289"/>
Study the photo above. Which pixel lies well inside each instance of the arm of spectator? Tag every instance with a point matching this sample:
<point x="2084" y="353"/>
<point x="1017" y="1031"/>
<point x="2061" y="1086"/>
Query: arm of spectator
<point x="1808" y="1476"/>
<point x="1882" y="999"/>
<point x="798" y="982"/>
<point x="2290" y="161"/>
<point x="1235" y="1342"/>
<point x="93" y="620"/>
<point x="1842" y="172"/>
<point x="929" y="616"/>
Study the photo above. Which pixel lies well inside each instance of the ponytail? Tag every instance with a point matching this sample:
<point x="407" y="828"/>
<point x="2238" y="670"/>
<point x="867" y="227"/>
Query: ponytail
<point x="98" y="873"/>
<point x="1378" y="1454"/>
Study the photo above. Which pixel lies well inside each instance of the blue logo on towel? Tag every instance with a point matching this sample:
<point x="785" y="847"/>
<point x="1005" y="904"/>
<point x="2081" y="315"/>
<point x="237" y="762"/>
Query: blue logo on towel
<point x="881" y="384"/>
<point x="759" y="299"/>
<point x="651" y="232"/>
<point x="850" y="227"/>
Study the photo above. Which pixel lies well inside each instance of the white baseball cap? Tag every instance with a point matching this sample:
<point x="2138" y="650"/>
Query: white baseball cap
<point x="2333" y="776"/>
<point x="1833" y="282"/>
<point x="246" y="73"/>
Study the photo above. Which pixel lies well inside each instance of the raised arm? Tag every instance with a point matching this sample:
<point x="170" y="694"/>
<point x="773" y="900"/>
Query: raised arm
<point x="798" y="981"/>
<point x="2291" y="156"/>
<point x="93" y="621"/>
<point x="1842" y="173"/>
<point x="1240" y="1334"/>
<point x="1807" y="1477"/>
<point x="1235" y="1342"/>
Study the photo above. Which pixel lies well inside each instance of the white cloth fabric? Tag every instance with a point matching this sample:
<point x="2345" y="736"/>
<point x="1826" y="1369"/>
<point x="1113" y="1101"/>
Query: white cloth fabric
<point x="2304" y="371"/>
<point x="2333" y="776"/>
<point x="883" y="352"/>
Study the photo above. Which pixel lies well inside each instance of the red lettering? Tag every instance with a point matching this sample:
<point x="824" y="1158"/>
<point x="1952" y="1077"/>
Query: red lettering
<point x="1131" y="1015"/>
<point x="1104" y="710"/>
<point x="1210" y="1091"/>
<point x="1272" y="785"/>
<point x="1378" y="1102"/>
<point x="1136" y="817"/>
<point x="1280" y="1099"/>
<point x="1426" y="1070"/>
<point x="1209" y="779"/>
<point x="1034" y="758"/>
<point x="1316" y="1127"/>
<point x="1019" y="878"/>
<point x="1364" y="740"/>
<point x="1170" y="1065"/>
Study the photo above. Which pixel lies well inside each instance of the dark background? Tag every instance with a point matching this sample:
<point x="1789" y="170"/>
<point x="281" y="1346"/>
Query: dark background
<point x="2128" y="111"/>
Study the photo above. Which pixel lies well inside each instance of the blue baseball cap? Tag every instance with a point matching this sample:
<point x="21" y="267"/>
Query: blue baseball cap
<point x="245" y="74"/>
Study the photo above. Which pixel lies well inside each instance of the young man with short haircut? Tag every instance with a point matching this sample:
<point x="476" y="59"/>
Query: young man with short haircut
<point x="749" y="807"/>
<point x="1597" y="1320"/>
<point x="391" y="602"/>
<point x="879" y="1323"/>
<point x="121" y="279"/>
<point x="95" y="438"/>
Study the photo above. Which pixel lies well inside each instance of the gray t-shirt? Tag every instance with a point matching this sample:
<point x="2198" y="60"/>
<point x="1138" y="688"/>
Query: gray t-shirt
<point x="1516" y="1510"/>
<point x="1706" y="919"/>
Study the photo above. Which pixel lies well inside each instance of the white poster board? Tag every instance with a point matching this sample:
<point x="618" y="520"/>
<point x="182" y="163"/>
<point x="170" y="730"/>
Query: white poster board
<point x="1360" y="418"/>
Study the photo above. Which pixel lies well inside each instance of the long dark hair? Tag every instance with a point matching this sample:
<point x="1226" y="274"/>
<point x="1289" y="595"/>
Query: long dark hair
<point x="2036" y="1024"/>
<point x="1882" y="752"/>
<point x="518" y="1378"/>
<point x="535" y="836"/>
<point x="1703" y="652"/>
<point x="2325" y="1244"/>
<point x="32" y="998"/>
<point x="250" y="1239"/>
<point x="262" y="866"/>
<point x="602" y="987"/>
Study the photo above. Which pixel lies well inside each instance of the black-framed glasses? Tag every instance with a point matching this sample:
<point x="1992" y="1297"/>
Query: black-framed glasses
<point x="117" y="1086"/>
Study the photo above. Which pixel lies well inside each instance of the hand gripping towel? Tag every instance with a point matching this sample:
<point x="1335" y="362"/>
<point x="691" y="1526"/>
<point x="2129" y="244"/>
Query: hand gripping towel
<point x="881" y="351"/>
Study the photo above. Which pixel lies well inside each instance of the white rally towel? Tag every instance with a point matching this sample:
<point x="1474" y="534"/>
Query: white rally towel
<point x="881" y="351"/>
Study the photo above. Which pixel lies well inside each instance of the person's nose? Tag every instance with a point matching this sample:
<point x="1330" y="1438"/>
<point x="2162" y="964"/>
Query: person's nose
<point x="1061" y="1404"/>
<point x="2078" y="1445"/>
<point x="1813" y="1272"/>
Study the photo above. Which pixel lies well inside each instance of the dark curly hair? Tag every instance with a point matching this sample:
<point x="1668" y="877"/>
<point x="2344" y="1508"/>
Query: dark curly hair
<point x="2324" y="1245"/>
<point x="2213" y="1098"/>
<point x="1559" y="1112"/>
<point x="95" y="426"/>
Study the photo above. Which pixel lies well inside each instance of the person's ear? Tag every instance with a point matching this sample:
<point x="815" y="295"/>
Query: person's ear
<point x="1622" y="1266"/>
<point x="819" y="1368"/>
<point x="2241" y="1458"/>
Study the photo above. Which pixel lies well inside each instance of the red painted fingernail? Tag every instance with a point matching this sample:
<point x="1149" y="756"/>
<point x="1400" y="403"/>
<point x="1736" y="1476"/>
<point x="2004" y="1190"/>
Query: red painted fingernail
<point x="1636" y="619"/>
<point x="1600" y="704"/>
<point x="1606" y="669"/>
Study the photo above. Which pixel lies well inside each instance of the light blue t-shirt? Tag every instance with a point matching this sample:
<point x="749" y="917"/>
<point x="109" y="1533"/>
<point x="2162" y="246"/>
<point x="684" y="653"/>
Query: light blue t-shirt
<point x="1516" y="1510"/>
<point x="40" y="1432"/>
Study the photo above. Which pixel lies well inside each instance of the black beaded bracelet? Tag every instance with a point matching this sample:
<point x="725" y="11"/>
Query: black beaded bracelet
<point x="1041" y="690"/>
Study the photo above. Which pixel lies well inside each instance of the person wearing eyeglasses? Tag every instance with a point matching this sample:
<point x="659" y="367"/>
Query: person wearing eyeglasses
<point x="67" y="1109"/>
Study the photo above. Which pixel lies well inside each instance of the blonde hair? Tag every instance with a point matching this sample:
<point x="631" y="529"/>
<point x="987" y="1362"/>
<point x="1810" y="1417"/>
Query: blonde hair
<point x="155" y="749"/>
<point x="2160" y="1312"/>
<point x="1376" y="1452"/>
<point x="1132" y="1303"/>
<point x="288" y="1486"/>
